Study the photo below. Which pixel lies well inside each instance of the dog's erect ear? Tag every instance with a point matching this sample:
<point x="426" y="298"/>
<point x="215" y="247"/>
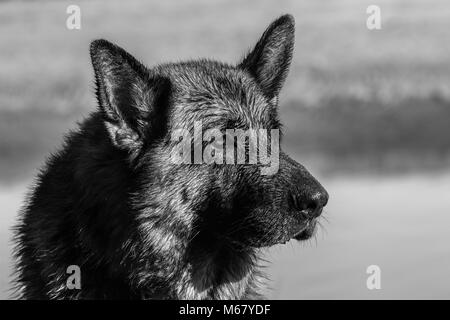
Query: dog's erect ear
<point x="269" y="61"/>
<point x="127" y="94"/>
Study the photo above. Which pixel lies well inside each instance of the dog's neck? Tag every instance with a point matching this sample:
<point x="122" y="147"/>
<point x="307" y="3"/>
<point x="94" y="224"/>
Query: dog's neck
<point x="169" y="258"/>
<point x="199" y="268"/>
<point x="218" y="271"/>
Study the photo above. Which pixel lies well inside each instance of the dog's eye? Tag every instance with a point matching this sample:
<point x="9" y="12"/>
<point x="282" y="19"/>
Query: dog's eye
<point x="217" y="144"/>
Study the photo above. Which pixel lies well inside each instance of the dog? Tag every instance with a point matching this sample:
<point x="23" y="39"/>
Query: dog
<point x="113" y="203"/>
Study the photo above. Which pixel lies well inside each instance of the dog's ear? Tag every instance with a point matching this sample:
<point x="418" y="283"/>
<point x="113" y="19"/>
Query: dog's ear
<point x="127" y="94"/>
<point x="269" y="61"/>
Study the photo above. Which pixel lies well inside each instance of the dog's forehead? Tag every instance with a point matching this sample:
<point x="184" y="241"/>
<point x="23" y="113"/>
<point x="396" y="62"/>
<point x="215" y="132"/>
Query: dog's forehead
<point x="217" y="93"/>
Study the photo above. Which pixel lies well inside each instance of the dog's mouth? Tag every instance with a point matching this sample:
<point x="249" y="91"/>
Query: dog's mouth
<point x="306" y="231"/>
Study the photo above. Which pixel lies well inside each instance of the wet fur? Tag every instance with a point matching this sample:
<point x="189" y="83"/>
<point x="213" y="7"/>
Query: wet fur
<point x="140" y="227"/>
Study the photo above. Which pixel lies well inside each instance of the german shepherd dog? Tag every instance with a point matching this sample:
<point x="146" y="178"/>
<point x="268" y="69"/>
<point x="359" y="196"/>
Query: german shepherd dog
<point x="138" y="225"/>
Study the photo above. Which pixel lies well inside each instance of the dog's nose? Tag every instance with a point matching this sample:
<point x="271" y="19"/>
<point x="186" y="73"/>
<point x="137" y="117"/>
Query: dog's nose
<point x="310" y="205"/>
<point x="317" y="202"/>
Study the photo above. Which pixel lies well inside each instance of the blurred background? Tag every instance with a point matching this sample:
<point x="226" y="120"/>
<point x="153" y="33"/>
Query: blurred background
<point x="366" y="111"/>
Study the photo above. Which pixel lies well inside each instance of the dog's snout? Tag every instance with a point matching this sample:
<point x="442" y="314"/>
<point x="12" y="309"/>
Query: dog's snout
<point x="310" y="205"/>
<point x="321" y="198"/>
<point x="317" y="202"/>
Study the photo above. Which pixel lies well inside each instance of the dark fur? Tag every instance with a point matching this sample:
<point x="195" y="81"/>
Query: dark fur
<point x="139" y="226"/>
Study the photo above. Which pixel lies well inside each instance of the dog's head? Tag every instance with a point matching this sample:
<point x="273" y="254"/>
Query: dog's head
<point x="185" y="109"/>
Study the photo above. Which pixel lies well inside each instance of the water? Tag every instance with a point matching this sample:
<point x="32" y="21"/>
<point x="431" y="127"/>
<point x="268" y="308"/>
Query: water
<point x="401" y="224"/>
<point x="10" y="201"/>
